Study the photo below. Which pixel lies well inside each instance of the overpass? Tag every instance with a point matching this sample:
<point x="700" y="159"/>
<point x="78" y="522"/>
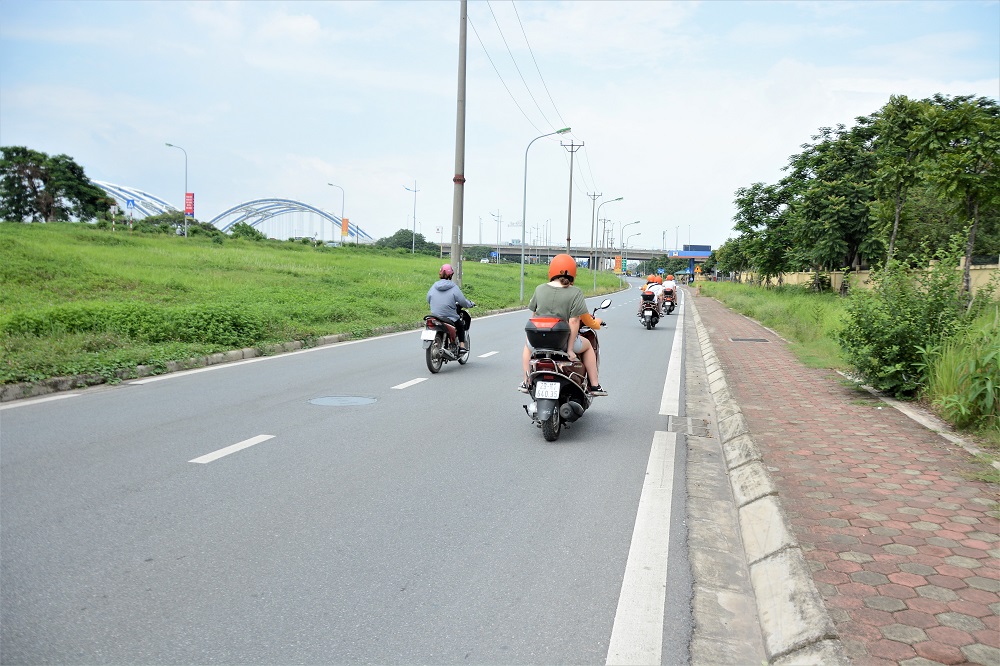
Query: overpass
<point x="543" y="253"/>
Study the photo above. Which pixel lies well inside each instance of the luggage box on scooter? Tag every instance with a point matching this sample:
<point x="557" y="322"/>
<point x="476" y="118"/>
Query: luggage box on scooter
<point x="547" y="333"/>
<point x="647" y="295"/>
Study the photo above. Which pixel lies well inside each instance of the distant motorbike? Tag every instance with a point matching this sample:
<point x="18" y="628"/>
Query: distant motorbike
<point x="440" y="341"/>
<point x="557" y="385"/>
<point x="649" y="311"/>
<point x="669" y="300"/>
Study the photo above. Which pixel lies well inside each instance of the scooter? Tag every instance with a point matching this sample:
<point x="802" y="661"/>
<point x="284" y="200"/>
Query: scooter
<point x="649" y="312"/>
<point x="557" y="385"/>
<point x="440" y="341"/>
<point x="669" y="300"/>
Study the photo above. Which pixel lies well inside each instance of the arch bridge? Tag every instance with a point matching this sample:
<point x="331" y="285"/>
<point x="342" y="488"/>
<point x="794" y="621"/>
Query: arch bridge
<point x="259" y="211"/>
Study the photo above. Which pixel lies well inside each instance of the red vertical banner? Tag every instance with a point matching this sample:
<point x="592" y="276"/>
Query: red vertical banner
<point x="344" y="227"/>
<point x="189" y="204"/>
<point x="618" y="265"/>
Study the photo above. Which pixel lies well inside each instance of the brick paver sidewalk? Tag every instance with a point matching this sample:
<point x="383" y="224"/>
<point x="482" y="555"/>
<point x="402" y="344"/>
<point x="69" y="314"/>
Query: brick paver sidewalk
<point x="904" y="548"/>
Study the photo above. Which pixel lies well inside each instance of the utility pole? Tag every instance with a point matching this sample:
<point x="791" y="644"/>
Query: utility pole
<point x="593" y="227"/>
<point x="572" y="148"/>
<point x="458" y="202"/>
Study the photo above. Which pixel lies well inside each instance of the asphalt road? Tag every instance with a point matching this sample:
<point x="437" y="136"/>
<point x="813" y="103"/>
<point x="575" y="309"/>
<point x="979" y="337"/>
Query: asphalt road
<point x="431" y="524"/>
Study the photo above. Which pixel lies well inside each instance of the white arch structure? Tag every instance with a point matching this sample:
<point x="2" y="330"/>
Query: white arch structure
<point x="259" y="211"/>
<point x="254" y="212"/>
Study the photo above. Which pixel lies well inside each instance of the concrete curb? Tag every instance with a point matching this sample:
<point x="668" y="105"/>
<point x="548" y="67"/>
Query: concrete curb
<point x="796" y="625"/>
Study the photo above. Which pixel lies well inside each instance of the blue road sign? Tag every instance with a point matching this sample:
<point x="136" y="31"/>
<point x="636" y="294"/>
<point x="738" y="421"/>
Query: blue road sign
<point x="661" y="271"/>
<point x="493" y="254"/>
<point x="130" y="203"/>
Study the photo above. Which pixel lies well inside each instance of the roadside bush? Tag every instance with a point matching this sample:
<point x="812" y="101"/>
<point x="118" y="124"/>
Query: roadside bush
<point x="905" y="311"/>
<point x="228" y="325"/>
<point x="963" y="374"/>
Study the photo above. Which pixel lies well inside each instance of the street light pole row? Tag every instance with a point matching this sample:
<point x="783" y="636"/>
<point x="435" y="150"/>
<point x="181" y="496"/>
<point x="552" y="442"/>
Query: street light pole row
<point x="184" y="208"/>
<point x="524" y="203"/>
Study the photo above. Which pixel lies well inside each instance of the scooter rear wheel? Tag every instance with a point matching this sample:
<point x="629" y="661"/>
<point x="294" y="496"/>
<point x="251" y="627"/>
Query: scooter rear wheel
<point x="551" y="427"/>
<point x="434" y="360"/>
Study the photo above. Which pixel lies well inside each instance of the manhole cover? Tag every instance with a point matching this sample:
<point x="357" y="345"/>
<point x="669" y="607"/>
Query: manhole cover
<point x="749" y="339"/>
<point x="342" y="401"/>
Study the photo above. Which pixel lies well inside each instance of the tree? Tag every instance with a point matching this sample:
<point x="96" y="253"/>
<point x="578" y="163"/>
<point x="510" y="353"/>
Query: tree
<point x="405" y="238"/>
<point x="897" y="153"/>
<point x="37" y="188"/>
<point x="244" y="230"/>
<point x="962" y="138"/>
<point x="831" y="188"/>
<point x="762" y="222"/>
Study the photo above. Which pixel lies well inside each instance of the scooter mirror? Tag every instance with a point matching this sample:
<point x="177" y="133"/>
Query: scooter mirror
<point x="606" y="303"/>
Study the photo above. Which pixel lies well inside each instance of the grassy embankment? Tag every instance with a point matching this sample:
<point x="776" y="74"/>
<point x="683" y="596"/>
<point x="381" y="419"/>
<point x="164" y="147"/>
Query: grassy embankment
<point x="810" y="322"/>
<point x="76" y="300"/>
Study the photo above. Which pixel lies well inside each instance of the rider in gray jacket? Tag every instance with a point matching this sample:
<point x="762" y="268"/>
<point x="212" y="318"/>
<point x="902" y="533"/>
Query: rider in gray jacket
<point x="443" y="296"/>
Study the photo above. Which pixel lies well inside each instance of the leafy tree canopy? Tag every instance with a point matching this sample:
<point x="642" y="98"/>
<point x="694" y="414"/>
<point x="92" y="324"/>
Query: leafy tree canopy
<point x="35" y="187"/>
<point x="406" y="239"/>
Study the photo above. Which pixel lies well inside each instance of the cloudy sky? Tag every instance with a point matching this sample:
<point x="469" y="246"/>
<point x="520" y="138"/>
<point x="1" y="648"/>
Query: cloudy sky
<point x="677" y="104"/>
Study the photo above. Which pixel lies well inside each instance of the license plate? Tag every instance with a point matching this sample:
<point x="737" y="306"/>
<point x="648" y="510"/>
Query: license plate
<point x="428" y="334"/>
<point x="647" y="314"/>
<point x="546" y="390"/>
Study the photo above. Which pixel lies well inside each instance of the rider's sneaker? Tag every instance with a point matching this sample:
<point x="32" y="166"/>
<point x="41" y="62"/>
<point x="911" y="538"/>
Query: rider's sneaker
<point x="597" y="390"/>
<point x="523" y="388"/>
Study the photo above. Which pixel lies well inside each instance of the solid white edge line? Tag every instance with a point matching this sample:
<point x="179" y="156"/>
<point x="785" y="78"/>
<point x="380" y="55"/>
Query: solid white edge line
<point x="670" y="401"/>
<point x="637" y="633"/>
<point x="35" y="401"/>
<point x="239" y="446"/>
<point x="410" y="383"/>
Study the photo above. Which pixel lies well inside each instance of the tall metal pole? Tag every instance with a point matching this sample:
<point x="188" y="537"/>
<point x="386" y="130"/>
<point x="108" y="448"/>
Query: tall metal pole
<point x="343" y="196"/>
<point x="590" y="260"/>
<point x="184" y="205"/>
<point x="592" y="231"/>
<point x="621" y="240"/>
<point x="524" y="198"/>
<point x="572" y="148"/>
<point x="413" y="243"/>
<point x="458" y="200"/>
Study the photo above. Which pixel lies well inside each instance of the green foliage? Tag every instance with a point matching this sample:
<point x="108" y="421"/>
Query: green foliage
<point x="808" y="319"/>
<point x="78" y="299"/>
<point x="405" y="239"/>
<point x="35" y="187"/>
<point x="963" y="374"/>
<point x="903" y="312"/>
<point x="244" y="230"/>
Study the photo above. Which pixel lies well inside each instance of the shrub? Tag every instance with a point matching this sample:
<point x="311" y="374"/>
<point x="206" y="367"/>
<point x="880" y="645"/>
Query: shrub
<point x="904" y="312"/>
<point x="229" y="325"/>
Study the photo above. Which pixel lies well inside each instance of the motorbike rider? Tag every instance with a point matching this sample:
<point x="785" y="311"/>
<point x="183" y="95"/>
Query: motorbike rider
<point x="669" y="283"/>
<point x="654" y="283"/>
<point x="560" y="298"/>
<point x="443" y="297"/>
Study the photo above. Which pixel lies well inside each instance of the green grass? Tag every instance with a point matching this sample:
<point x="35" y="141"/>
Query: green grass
<point x="80" y="300"/>
<point x="807" y="320"/>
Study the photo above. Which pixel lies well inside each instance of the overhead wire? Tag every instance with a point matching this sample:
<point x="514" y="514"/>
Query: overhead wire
<point x="513" y="99"/>
<point x="513" y="60"/>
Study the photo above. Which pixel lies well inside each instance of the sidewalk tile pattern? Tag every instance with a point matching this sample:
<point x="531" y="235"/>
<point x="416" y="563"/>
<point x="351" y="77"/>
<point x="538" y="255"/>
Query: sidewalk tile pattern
<point x="903" y="546"/>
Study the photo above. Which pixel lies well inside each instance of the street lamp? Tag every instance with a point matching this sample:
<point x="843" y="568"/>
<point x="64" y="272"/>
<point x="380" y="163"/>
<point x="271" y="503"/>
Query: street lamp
<point x="343" y="195"/>
<point x="524" y="199"/>
<point x="413" y="244"/>
<point x="638" y="233"/>
<point x="593" y="237"/>
<point x="184" y="209"/>
<point x="621" y="240"/>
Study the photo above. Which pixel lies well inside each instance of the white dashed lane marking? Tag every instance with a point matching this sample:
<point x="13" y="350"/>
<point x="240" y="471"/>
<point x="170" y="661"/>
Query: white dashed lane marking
<point x="410" y="383"/>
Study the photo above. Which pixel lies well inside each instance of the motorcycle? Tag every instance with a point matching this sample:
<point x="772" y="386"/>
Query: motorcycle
<point x="669" y="300"/>
<point x="558" y="386"/>
<point x="440" y="341"/>
<point x="649" y="311"/>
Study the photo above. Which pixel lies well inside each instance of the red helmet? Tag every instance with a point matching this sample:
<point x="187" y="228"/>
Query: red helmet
<point x="446" y="272"/>
<point x="562" y="265"/>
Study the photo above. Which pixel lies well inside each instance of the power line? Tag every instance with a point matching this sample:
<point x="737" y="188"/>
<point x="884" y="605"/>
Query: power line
<point x="511" y="54"/>
<point x="528" y="44"/>
<point x="469" y="18"/>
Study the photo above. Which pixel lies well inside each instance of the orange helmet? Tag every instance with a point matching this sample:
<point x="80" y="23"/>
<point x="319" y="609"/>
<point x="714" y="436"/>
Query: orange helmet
<point x="657" y="279"/>
<point x="670" y="277"/>
<point x="651" y="278"/>
<point x="562" y="265"/>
